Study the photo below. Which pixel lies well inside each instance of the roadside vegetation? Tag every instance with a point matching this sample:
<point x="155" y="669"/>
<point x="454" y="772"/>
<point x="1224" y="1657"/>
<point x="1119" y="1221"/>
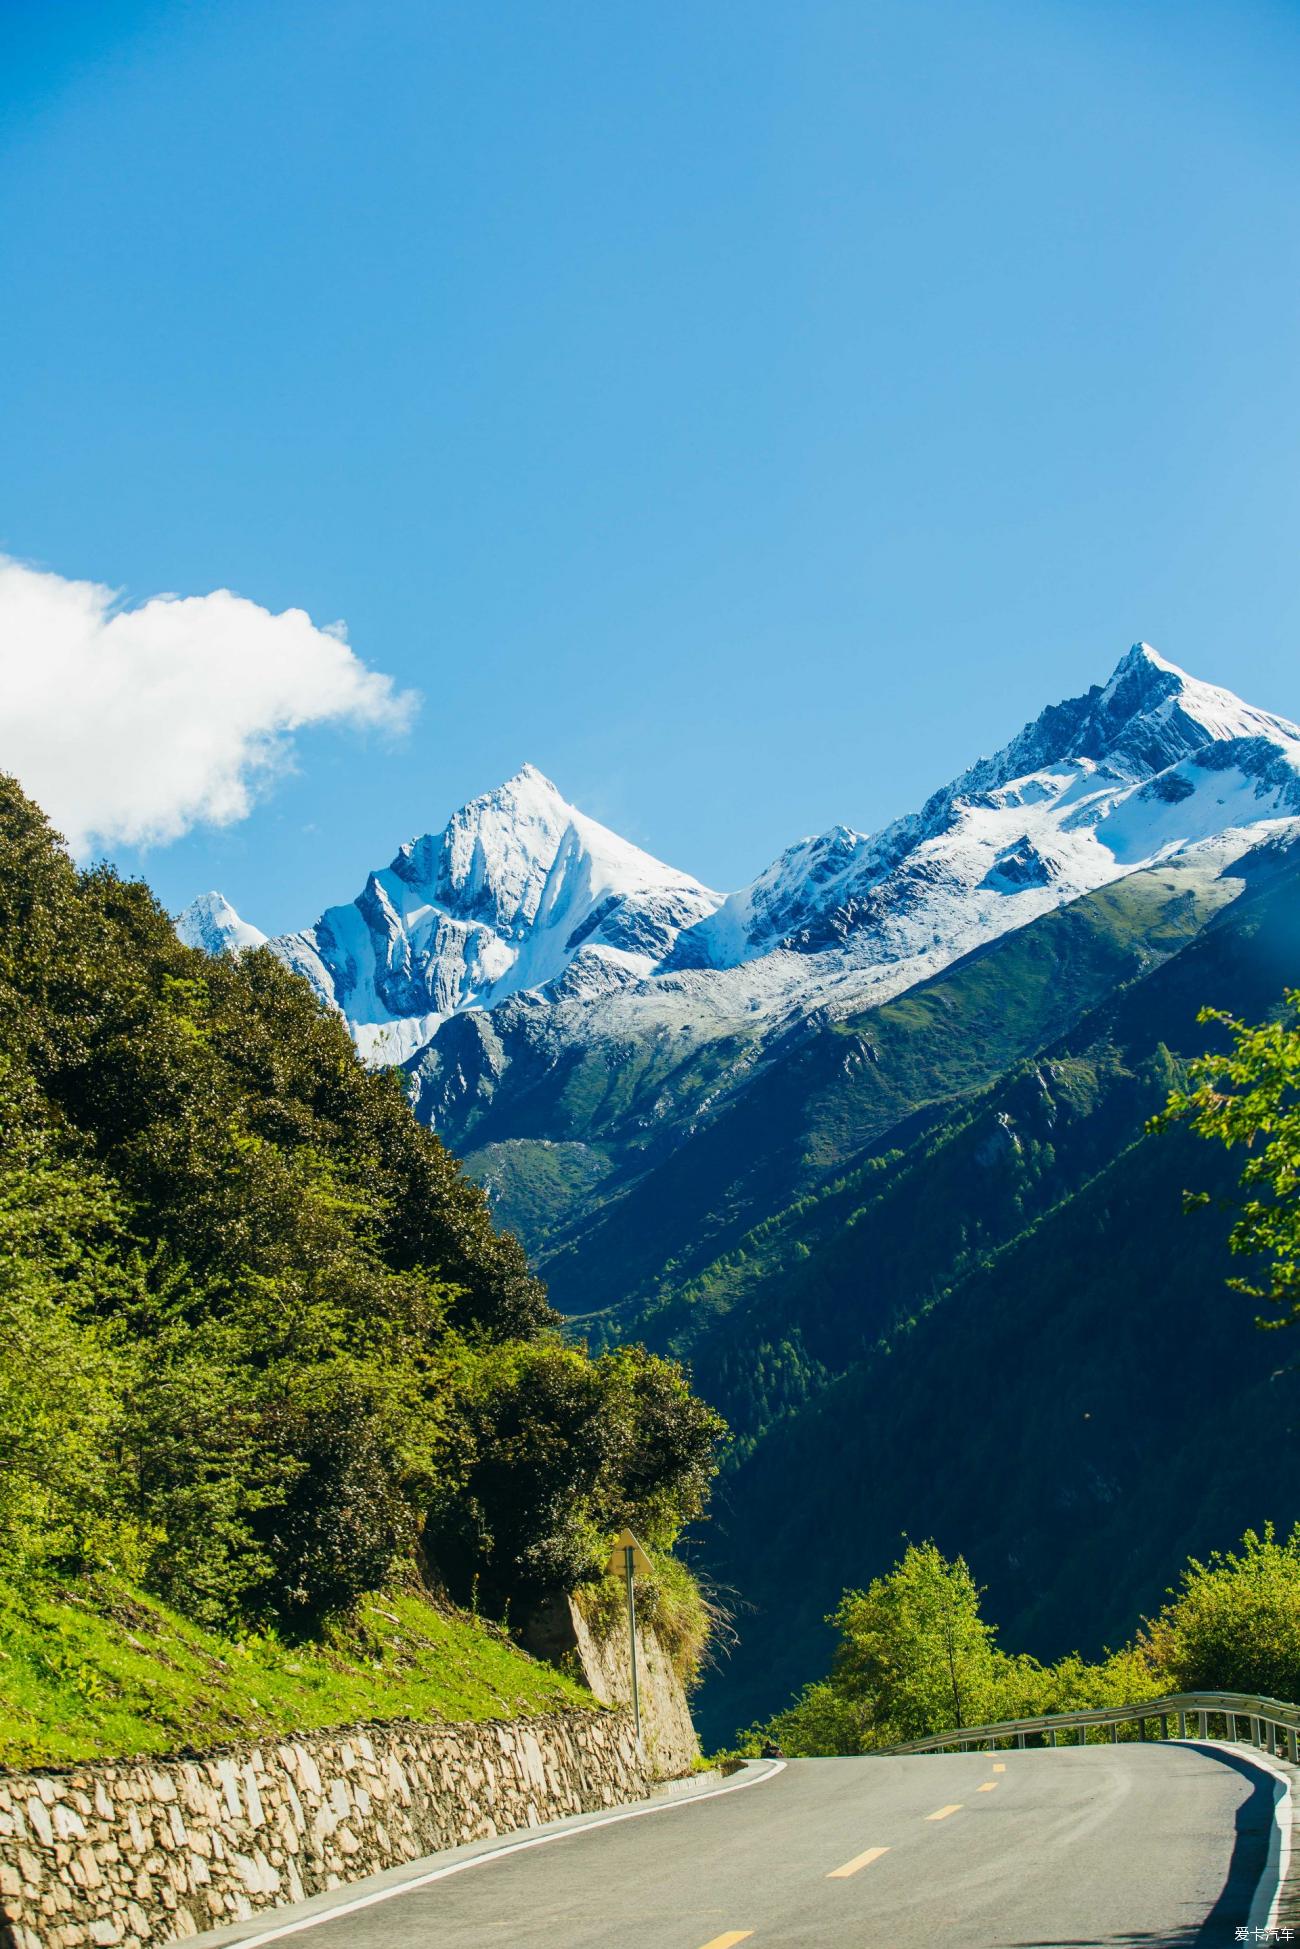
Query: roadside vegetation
<point x="265" y="1354"/>
<point x="94" y="1669"/>
<point x="1247" y="1095"/>
<point x="914" y="1654"/>
<point x="691" y="1626"/>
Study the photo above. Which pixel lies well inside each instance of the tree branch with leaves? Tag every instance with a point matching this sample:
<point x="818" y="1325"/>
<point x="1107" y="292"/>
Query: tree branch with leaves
<point x="1248" y="1095"/>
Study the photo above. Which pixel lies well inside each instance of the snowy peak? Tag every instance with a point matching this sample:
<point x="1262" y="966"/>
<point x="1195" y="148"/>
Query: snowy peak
<point x="520" y="891"/>
<point x="510" y="857"/>
<point x="211" y="923"/>
<point x="1147" y="716"/>
<point x="1154" y="713"/>
<point x="1134" y="769"/>
<point x="521" y="897"/>
<point x="492" y="860"/>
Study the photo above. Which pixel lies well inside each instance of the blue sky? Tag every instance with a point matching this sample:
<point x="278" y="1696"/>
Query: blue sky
<point x="747" y="412"/>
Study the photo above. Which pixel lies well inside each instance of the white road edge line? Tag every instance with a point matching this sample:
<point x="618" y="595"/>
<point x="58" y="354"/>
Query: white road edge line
<point x="494" y="1854"/>
<point x="1264" y="1907"/>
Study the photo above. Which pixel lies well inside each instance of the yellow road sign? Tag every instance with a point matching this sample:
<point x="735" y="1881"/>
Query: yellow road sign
<point x="617" y="1567"/>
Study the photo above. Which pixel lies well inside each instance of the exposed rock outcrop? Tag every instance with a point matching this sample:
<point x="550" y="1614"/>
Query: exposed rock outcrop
<point x="559" y="1632"/>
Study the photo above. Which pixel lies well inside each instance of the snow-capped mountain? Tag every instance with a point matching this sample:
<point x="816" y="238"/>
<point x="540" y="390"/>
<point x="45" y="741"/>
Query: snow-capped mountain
<point x="520" y="891"/>
<point x="211" y="923"/>
<point x="1132" y="771"/>
<point x="525" y="908"/>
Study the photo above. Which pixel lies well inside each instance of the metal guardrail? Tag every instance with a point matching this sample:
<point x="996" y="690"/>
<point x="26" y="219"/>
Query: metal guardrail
<point x="1274" y="1725"/>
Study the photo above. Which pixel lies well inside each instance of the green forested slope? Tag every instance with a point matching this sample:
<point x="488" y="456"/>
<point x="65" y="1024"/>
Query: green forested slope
<point x="822" y="1281"/>
<point x="264" y="1351"/>
<point x="1015" y="1341"/>
<point x="1080" y="1415"/>
<point x="846" y="1090"/>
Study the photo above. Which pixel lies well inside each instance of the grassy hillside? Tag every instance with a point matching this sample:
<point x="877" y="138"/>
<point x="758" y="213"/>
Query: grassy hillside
<point x="98" y="1669"/>
<point x="265" y="1351"/>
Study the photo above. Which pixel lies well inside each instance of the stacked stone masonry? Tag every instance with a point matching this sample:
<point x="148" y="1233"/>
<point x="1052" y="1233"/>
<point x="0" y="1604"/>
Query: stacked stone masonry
<point x="153" y="1851"/>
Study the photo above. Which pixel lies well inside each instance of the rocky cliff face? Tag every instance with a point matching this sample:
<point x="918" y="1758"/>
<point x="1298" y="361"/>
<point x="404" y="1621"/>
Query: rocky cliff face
<point x="559" y="1632"/>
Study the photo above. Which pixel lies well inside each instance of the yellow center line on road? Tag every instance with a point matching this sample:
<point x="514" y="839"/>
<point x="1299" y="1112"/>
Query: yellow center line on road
<point x="942" y="1813"/>
<point x="859" y="1861"/>
<point x="990" y="1786"/>
<point x="999" y="1766"/>
<point x="729" y="1940"/>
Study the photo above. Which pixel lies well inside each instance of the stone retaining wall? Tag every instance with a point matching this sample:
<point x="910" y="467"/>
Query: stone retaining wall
<point x="152" y="1851"/>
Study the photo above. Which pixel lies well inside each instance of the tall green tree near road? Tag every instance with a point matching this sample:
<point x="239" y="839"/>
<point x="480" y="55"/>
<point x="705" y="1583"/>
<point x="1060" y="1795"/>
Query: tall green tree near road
<point x="1248" y="1095"/>
<point x="914" y="1650"/>
<point x="1233" y="1623"/>
<point x="915" y="1657"/>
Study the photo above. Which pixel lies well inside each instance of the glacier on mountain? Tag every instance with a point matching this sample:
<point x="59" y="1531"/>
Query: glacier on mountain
<point x="525" y="908"/>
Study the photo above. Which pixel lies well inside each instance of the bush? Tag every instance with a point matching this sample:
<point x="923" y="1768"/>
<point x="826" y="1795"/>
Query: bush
<point x="821" y="1723"/>
<point x="1024" y="1689"/>
<point x="1234" y="1623"/>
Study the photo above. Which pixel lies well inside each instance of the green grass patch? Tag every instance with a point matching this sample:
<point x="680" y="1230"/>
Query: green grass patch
<point x="93" y="1669"/>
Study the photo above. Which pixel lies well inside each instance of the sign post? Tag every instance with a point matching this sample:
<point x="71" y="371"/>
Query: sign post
<point x="628" y="1560"/>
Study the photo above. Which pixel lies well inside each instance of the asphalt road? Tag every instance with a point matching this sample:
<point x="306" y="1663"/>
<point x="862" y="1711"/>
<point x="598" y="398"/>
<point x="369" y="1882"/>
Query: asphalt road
<point x="1156" y="1844"/>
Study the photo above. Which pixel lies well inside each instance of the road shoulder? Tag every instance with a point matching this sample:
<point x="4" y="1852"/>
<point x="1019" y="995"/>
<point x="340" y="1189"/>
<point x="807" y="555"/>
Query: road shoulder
<point x="1277" y="1901"/>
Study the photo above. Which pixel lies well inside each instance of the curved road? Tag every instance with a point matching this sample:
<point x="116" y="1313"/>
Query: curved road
<point x="1131" y="1844"/>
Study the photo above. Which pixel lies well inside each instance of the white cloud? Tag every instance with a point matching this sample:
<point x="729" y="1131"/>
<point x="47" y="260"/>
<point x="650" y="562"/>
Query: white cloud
<point x="132" y="725"/>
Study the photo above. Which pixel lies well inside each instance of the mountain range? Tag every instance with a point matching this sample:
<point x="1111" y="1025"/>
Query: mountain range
<point x="803" y="1133"/>
<point x="523" y="895"/>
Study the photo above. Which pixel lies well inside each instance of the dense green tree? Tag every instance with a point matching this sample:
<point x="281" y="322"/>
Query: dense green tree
<point x="1233" y="1624"/>
<point x="914" y="1653"/>
<point x="63" y="1366"/>
<point x="913" y="1656"/>
<point x="663" y="1443"/>
<point x="257" y="1324"/>
<point x="562" y="1451"/>
<point x="522" y="1522"/>
<point x="343" y="1521"/>
<point x="913" y="1646"/>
